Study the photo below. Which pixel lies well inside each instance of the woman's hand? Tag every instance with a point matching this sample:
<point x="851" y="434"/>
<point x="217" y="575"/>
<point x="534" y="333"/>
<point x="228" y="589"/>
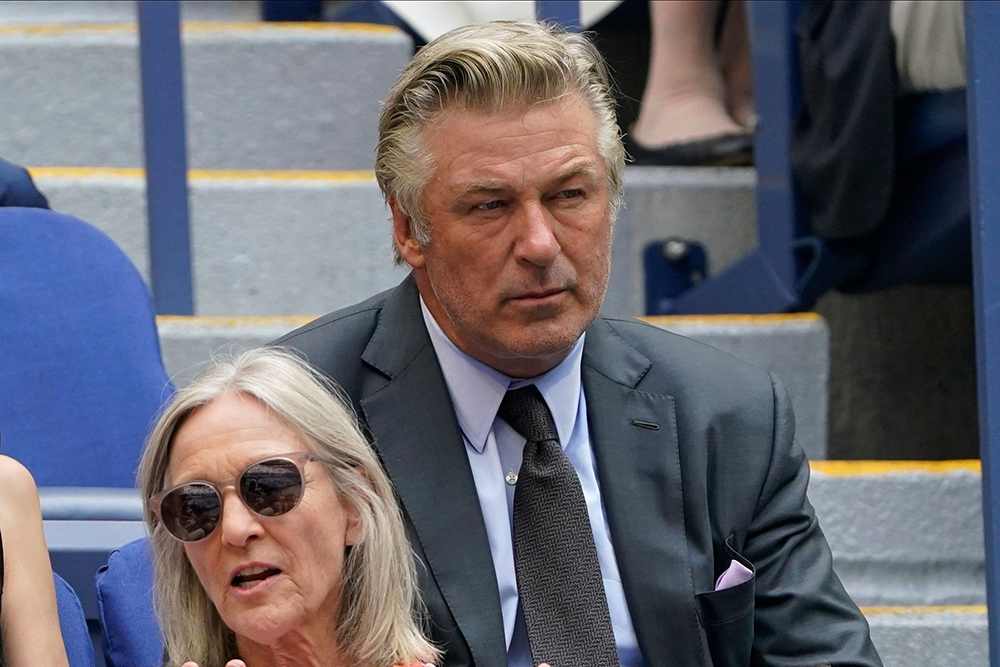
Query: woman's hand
<point x="231" y="663"/>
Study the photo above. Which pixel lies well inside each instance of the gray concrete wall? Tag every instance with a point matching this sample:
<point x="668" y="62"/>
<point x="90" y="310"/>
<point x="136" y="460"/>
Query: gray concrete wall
<point x="903" y="374"/>
<point x="262" y="96"/>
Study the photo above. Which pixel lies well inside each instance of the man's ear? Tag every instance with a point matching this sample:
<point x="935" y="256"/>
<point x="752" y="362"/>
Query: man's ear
<point x="402" y="233"/>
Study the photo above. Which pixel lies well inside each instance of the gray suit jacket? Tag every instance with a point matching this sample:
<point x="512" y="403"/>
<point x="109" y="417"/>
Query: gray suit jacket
<point x="717" y="478"/>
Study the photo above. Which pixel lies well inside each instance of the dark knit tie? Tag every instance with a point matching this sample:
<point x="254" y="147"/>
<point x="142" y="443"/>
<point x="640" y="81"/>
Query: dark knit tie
<point x="558" y="574"/>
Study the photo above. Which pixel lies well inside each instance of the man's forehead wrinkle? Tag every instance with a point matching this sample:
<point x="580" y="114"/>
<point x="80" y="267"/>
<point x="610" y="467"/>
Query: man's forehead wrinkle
<point x="560" y="163"/>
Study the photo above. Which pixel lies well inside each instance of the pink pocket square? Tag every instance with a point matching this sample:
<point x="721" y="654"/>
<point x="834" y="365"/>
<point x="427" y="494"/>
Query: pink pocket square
<point x="737" y="574"/>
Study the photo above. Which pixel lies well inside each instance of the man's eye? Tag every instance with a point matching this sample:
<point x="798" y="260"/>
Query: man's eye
<point x="490" y="205"/>
<point x="570" y="194"/>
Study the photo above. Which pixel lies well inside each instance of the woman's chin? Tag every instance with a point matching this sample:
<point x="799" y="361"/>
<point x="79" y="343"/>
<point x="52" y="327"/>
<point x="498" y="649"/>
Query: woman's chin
<point x="262" y="625"/>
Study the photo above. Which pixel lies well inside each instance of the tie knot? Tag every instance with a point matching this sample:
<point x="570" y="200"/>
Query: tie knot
<point x="526" y="412"/>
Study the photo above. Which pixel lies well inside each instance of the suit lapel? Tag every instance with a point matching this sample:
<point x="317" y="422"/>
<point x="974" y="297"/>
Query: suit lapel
<point x="640" y="476"/>
<point x="418" y="438"/>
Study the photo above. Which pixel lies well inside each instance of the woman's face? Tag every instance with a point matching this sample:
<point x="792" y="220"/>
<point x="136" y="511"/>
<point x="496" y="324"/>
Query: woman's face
<point x="266" y="576"/>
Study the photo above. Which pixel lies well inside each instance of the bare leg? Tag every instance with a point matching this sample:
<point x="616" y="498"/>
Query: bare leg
<point x="734" y="57"/>
<point x="685" y="95"/>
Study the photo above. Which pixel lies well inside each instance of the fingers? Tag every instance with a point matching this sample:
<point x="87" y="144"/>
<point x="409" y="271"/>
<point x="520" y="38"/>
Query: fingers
<point x="236" y="663"/>
<point x="190" y="664"/>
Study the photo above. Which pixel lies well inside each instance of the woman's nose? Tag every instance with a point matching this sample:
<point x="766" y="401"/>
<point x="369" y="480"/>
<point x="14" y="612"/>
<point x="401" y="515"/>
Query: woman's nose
<point x="238" y="524"/>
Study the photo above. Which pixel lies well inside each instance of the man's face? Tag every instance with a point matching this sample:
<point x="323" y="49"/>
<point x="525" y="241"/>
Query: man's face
<point x="520" y="228"/>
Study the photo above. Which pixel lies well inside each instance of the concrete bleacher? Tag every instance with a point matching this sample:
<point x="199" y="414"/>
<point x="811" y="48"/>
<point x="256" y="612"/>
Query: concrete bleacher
<point x="267" y="96"/>
<point x="288" y="223"/>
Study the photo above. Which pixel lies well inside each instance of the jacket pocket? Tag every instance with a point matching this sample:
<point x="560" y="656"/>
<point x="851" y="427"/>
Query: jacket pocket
<point x="727" y="618"/>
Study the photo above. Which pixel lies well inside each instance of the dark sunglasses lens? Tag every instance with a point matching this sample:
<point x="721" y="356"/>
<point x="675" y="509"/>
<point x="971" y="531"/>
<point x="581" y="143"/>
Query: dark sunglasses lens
<point x="271" y="488"/>
<point x="191" y="512"/>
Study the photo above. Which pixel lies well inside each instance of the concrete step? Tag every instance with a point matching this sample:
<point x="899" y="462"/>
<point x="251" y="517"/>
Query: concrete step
<point x="258" y="95"/>
<point x="930" y="636"/>
<point x="275" y="243"/>
<point x="14" y="12"/>
<point x="250" y="227"/>
<point x="904" y="532"/>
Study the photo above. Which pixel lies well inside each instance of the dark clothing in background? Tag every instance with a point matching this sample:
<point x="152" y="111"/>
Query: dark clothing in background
<point x="843" y="147"/>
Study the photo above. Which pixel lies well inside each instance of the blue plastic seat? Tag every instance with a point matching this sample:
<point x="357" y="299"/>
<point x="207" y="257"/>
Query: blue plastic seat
<point x="81" y="377"/>
<point x="130" y="633"/>
<point x="73" y="625"/>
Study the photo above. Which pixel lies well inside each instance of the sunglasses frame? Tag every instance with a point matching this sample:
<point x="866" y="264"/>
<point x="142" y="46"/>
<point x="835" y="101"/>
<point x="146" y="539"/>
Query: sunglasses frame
<point x="298" y="459"/>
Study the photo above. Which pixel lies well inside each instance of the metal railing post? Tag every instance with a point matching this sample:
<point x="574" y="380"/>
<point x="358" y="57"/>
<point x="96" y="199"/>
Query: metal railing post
<point x="165" y="144"/>
<point x="982" y="20"/>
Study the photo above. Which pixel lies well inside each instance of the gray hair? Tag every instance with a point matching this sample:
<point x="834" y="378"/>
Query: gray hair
<point x="380" y="620"/>
<point x="494" y="67"/>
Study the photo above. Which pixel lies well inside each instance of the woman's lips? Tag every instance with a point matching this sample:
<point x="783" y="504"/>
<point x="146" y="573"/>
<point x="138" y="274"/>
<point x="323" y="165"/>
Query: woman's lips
<point x="253" y="578"/>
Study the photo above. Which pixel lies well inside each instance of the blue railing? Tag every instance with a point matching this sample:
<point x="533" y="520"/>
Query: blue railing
<point x="165" y="145"/>
<point x="983" y="90"/>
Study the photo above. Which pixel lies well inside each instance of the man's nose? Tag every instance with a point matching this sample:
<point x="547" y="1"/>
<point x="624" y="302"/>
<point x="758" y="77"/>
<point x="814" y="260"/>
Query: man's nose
<point x="537" y="242"/>
<point x="238" y="524"/>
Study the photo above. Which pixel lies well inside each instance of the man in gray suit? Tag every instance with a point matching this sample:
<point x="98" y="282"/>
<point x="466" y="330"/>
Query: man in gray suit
<point x="577" y="490"/>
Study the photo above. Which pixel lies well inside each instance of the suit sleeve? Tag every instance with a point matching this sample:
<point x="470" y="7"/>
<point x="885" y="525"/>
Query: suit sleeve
<point x="802" y="616"/>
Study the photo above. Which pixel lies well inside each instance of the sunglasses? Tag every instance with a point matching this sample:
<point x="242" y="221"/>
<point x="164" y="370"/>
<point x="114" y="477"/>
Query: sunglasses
<point x="269" y="488"/>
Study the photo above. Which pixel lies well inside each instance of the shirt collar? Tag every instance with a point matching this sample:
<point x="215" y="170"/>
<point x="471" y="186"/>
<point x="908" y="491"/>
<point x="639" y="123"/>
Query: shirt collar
<point x="477" y="389"/>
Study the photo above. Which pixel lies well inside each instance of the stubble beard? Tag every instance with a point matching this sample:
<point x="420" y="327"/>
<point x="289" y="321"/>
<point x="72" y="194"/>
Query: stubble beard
<point x="533" y="340"/>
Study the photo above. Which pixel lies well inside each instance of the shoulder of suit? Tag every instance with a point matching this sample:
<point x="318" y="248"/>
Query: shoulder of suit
<point x="680" y="356"/>
<point x="362" y="314"/>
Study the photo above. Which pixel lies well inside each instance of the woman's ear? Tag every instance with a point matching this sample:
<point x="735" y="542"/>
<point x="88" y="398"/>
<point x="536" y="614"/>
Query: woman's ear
<point x="353" y="530"/>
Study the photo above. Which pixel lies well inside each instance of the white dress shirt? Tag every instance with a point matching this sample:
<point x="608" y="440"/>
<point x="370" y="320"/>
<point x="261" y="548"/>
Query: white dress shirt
<point x="494" y="451"/>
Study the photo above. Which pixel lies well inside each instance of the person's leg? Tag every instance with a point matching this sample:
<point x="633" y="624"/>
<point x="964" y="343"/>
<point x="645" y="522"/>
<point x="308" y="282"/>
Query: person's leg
<point x="734" y="58"/>
<point x="684" y="98"/>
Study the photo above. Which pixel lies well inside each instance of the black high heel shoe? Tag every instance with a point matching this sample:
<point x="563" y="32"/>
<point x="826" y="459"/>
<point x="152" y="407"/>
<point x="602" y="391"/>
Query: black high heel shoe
<point x="734" y="149"/>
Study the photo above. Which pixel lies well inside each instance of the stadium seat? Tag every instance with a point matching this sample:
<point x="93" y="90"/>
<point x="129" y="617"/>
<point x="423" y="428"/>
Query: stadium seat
<point x="130" y="633"/>
<point x="80" y="375"/>
<point x="73" y="625"/>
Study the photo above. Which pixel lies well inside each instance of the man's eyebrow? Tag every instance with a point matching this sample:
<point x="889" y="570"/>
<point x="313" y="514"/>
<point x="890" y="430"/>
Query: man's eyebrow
<point x="480" y="188"/>
<point x="586" y="170"/>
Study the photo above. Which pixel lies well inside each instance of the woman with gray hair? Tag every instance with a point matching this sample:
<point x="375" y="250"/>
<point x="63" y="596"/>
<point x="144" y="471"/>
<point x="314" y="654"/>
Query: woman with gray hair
<point x="276" y="537"/>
